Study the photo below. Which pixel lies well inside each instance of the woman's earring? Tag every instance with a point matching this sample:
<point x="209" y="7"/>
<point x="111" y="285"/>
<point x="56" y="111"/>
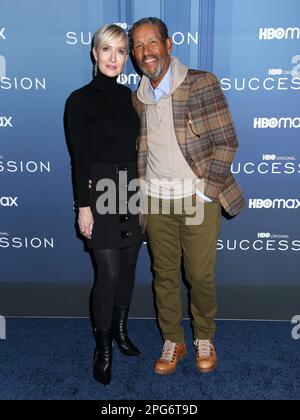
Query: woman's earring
<point x="96" y="69"/>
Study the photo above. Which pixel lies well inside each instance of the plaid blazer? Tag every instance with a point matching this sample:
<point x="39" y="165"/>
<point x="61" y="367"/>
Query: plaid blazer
<point x="205" y="134"/>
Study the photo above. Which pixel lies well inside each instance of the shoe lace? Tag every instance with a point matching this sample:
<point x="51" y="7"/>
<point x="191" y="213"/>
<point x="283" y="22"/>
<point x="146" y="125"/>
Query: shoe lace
<point x="168" y="351"/>
<point x="204" y="348"/>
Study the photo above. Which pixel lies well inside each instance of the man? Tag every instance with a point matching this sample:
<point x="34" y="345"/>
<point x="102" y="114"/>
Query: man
<point x="187" y="133"/>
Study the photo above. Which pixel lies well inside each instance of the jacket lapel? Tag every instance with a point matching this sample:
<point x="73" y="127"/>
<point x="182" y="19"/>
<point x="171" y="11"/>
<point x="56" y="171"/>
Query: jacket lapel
<point x="180" y="100"/>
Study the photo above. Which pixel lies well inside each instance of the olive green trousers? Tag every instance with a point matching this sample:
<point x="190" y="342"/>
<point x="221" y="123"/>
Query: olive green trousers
<point x="172" y="238"/>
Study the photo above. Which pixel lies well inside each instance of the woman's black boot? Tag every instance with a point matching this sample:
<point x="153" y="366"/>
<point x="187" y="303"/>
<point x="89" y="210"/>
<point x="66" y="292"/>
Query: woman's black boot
<point x="120" y="332"/>
<point x="103" y="356"/>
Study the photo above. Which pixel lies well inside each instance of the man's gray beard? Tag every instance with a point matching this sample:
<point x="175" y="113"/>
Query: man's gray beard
<point x="155" y="75"/>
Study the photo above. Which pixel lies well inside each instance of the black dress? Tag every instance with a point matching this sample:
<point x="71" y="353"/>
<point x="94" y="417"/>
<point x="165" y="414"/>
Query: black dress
<point x="102" y="128"/>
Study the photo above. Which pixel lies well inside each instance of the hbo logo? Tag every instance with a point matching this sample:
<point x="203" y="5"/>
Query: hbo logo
<point x="122" y="25"/>
<point x="264" y="235"/>
<point x="269" y="157"/>
<point x="275" y="72"/>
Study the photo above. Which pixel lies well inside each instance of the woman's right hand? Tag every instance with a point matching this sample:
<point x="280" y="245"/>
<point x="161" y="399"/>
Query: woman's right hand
<point x="86" y="221"/>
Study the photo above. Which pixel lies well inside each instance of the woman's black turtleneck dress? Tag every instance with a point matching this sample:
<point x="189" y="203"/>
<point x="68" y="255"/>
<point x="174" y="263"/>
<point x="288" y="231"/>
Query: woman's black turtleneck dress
<point x="102" y="128"/>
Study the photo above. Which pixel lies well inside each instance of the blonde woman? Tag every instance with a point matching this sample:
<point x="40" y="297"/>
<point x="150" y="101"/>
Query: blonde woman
<point x="102" y="128"/>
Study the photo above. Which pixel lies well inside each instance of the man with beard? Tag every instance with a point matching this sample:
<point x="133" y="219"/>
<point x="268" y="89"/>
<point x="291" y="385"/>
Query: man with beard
<point x="187" y="140"/>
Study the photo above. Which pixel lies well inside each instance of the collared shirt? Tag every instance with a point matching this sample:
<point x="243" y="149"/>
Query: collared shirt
<point x="163" y="88"/>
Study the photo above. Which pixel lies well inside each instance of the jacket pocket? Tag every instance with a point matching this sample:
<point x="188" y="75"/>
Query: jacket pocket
<point x="191" y="125"/>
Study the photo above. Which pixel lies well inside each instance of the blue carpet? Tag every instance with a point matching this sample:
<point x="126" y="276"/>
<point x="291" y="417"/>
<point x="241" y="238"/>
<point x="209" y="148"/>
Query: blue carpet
<point x="51" y="359"/>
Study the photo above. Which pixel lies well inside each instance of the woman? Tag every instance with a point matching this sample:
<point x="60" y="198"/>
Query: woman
<point x="102" y="129"/>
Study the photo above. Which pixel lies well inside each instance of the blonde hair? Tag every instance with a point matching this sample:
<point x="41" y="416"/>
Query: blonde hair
<point x="108" y="32"/>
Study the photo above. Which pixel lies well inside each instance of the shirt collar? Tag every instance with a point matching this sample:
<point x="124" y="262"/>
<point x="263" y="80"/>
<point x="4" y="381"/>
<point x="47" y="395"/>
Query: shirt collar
<point x="164" y="87"/>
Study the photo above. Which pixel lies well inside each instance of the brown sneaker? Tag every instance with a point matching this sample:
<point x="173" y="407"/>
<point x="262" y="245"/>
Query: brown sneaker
<point x="206" y="357"/>
<point x="172" y="353"/>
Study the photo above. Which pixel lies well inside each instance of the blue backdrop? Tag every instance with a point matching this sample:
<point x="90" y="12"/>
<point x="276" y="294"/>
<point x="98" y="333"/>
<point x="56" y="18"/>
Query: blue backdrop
<point x="253" y="48"/>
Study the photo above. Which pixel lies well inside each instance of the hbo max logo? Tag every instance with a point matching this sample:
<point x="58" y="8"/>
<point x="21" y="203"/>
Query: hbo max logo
<point x="6" y="122"/>
<point x="263" y="123"/>
<point x="279" y="33"/>
<point x="9" y="202"/>
<point x="2" y="35"/>
<point x="290" y="204"/>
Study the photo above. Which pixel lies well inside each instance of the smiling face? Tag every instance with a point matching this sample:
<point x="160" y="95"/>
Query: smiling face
<point x="152" y="54"/>
<point x="111" y="56"/>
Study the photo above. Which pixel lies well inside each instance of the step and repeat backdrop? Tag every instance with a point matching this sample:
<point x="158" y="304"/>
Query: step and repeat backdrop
<point x="254" y="49"/>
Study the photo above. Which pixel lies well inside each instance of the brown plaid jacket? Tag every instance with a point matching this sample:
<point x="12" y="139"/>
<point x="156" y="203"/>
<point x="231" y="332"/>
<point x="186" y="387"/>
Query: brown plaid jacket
<point x="205" y="134"/>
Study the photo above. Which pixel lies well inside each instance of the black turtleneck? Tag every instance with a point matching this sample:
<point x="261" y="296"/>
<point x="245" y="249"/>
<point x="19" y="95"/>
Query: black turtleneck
<point x="101" y="126"/>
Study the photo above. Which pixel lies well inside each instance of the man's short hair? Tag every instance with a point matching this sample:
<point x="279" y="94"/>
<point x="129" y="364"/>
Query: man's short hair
<point x="162" y="28"/>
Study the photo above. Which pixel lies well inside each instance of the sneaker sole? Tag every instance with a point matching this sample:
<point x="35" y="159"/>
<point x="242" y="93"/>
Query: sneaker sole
<point x="158" y="372"/>
<point x="210" y="370"/>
